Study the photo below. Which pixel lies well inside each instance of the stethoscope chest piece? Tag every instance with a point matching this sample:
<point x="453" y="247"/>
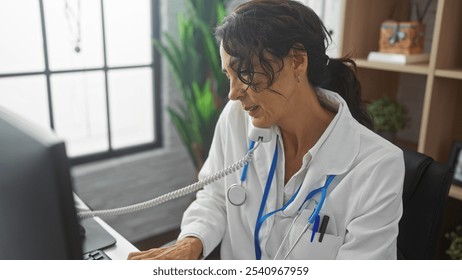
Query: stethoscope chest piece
<point x="237" y="194"/>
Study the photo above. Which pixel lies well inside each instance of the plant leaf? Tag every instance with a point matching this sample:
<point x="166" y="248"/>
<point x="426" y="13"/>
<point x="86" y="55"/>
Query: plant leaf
<point x="182" y="127"/>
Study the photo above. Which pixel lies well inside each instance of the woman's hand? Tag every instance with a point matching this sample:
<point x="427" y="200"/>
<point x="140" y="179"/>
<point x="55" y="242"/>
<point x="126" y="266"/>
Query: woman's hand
<point x="188" y="248"/>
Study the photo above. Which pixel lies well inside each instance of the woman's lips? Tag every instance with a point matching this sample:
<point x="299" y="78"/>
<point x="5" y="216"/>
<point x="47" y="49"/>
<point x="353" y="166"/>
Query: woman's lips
<point x="252" y="110"/>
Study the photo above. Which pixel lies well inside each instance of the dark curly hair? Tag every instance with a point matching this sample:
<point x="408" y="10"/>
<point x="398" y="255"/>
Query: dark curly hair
<point x="260" y="27"/>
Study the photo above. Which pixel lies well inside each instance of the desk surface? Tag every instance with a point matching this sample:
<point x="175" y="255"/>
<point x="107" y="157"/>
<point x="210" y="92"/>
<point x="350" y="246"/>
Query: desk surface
<point x="122" y="247"/>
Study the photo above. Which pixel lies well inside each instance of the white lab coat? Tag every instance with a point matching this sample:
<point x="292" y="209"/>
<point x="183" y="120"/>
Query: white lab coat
<point x="363" y="202"/>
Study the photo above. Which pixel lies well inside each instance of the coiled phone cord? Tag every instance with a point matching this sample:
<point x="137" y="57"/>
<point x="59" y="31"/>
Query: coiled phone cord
<point x="174" y="194"/>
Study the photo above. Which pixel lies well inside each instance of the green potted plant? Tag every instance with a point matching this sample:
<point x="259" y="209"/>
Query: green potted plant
<point x="389" y="116"/>
<point x="455" y="248"/>
<point x="194" y="62"/>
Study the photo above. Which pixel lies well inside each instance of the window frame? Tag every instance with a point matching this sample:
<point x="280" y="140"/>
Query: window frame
<point x="156" y="86"/>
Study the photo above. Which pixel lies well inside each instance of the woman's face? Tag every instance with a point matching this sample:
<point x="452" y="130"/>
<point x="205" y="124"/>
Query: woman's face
<point x="267" y="106"/>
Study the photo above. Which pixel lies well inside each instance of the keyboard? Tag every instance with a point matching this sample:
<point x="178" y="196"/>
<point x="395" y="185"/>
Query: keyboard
<point x="97" y="255"/>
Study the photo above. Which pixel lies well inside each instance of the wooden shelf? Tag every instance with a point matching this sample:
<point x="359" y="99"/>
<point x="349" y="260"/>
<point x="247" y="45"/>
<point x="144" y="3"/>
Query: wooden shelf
<point x="455" y="73"/>
<point x="455" y="192"/>
<point x="421" y="68"/>
<point x="435" y="86"/>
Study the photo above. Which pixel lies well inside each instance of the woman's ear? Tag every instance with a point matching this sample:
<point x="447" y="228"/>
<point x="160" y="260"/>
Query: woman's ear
<point x="299" y="59"/>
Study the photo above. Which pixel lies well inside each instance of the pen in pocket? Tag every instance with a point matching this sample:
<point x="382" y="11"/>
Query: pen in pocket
<point x="315" y="227"/>
<point x="323" y="227"/>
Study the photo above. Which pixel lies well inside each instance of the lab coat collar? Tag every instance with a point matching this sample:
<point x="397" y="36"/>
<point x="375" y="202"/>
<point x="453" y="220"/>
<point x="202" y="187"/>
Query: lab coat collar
<point x="338" y="146"/>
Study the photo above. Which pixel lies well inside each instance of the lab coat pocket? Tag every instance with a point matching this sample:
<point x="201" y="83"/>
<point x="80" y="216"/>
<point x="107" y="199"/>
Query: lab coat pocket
<point x="315" y="250"/>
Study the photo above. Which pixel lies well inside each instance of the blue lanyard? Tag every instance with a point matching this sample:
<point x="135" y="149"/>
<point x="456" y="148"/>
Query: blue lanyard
<point x="261" y="219"/>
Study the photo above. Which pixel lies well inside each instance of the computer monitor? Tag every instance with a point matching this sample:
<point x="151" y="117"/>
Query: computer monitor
<point x="37" y="214"/>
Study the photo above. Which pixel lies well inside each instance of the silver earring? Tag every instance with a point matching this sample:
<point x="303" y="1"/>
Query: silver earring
<point x="298" y="78"/>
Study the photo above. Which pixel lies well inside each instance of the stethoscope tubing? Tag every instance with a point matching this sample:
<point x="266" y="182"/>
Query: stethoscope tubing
<point x="296" y="240"/>
<point x="311" y="219"/>
<point x="287" y="234"/>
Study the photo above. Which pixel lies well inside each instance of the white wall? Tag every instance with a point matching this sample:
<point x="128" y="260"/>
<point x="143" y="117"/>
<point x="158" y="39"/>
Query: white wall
<point x="135" y="178"/>
<point x="331" y="13"/>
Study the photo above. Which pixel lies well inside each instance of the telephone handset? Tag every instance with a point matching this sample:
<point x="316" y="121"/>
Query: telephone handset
<point x="255" y="133"/>
<point x="259" y="134"/>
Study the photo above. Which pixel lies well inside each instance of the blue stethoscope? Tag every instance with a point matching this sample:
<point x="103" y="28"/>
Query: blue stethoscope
<point x="237" y="196"/>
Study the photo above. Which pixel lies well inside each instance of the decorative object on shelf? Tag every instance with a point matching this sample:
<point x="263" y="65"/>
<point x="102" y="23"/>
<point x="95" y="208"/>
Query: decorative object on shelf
<point x="404" y="37"/>
<point x="389" y="116"/>
<point x="455" y="248"/>
<point x="455" y="161"/>
<point x="194" y="61"/>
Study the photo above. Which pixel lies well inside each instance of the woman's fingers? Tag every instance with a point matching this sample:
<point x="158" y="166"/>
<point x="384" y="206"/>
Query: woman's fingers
<point x="188" y="248"/>
<point x="152" y="253"/>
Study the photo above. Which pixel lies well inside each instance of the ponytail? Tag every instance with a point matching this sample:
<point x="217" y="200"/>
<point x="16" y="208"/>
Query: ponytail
<point x="342" y="79"/>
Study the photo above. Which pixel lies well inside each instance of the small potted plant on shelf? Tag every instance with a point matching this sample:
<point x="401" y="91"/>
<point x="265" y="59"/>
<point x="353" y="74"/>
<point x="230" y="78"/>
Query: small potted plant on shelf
<point x="455" y="248"/>
<point x="389" y="117"/>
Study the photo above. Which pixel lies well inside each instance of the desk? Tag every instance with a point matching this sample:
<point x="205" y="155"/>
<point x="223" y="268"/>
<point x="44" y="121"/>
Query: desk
<point x="122" y="247"/>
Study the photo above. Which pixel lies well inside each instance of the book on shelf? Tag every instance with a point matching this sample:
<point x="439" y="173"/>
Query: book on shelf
<point x="397" y="58"/>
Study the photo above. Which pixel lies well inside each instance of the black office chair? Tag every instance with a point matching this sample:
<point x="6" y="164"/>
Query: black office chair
<point x="426" y="188"/>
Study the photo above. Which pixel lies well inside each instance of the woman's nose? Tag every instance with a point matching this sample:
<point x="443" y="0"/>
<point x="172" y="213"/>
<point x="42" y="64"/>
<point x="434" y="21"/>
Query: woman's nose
<point x="237" y="90"/>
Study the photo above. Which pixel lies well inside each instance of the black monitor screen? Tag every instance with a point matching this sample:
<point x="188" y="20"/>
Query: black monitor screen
<point x="37" y="213"/>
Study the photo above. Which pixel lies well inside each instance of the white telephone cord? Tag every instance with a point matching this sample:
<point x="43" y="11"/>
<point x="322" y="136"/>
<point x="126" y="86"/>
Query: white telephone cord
<point x="174" y="194"/>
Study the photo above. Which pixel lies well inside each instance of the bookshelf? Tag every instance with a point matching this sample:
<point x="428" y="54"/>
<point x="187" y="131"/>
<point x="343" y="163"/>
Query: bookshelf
<point x="440" y="120"/>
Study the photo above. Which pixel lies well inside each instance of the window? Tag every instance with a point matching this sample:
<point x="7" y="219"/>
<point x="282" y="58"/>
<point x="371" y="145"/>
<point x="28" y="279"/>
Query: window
<point x="86" y="69"/>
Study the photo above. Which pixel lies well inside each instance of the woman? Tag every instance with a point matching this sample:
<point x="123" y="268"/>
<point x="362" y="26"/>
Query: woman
<point x="273" y="53"/>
